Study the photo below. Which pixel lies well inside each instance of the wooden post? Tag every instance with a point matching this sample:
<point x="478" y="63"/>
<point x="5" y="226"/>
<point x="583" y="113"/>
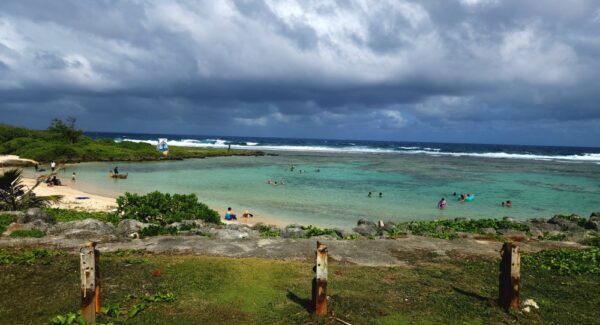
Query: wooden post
<point x="90" y="288"/>
<point x="510" y="277"/>
<point x="319" y="288"/>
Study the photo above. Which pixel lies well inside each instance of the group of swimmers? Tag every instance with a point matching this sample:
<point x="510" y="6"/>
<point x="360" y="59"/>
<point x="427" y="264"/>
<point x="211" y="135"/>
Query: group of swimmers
<point x="275" y="183"/>
<point x="292" y="168"/>
<point x="371" y="194"/>
<point x="229" y="215"/>
<point x="466" y="197"/>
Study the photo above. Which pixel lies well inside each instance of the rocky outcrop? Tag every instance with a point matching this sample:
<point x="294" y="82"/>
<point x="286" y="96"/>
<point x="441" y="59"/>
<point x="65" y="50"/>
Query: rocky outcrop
<point x="34" y="225"/>
<point x="128" y="227"/>
<point x="594" y="222"/>
<point x="36" y="214"/>
<point x="293" y="231"/>
<point x="84" y="229"/>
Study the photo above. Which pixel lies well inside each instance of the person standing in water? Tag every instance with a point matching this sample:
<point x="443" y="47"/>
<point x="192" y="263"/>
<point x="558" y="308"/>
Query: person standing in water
<point x="442" y="204"/>
<point x="116" y="170"/>
<point x="380" y="195"/>
<point x="53" y="165"/>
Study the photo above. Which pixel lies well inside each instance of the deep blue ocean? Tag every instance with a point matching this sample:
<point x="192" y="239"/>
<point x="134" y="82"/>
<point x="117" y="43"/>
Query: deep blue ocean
<point x="582" y="154"/>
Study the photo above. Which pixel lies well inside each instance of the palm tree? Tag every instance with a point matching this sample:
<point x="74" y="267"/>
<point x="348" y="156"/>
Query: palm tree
<point x="16" y="196"/>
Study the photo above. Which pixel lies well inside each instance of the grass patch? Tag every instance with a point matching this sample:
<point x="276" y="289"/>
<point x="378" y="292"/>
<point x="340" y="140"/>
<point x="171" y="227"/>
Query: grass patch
<point x="566" y="261"/>
<point x="215" y="290"/>
<point x="36" y="233"/>
<point x="5" y="220"/>
<point x="447" y="229"/>
<point x="66" y="215"/>
<point x="312" y="231"/>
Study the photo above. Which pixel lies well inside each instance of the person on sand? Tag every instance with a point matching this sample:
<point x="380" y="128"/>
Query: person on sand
<point x="247" y="214"/>
<point x="229" y="215"/>
<point x="442" y="204"/>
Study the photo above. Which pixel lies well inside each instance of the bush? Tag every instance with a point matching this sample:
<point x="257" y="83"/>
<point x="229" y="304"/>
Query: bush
<point x="312" y="231"/>
<point x="160" y="208"/>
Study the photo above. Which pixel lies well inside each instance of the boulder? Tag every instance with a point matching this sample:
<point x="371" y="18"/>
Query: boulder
<point x="342" y="233"/>
<point x="36" y="224"/>
<point x="594" y="222"/>
<point x="488" y="231"/>
<point x="293" y="231"/>
<point x="389" y="226"/>
<point x="564" y="224"/>
<point x="82" y="229"/>
<point x="36" y="214"/>
<point x="367" y="230"/>
<point x="130" y="226"/>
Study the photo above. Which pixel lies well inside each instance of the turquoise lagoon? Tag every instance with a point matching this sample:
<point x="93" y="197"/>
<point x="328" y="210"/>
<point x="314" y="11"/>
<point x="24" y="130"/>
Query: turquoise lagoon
<point x="332" y="190"/>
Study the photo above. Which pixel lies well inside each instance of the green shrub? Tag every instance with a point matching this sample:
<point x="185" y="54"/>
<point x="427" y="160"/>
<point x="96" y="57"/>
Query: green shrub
<point x="160" y="208"/>
<point x="312" y="231"/>
<point x="36" y="233"/>
<point x="157" y="230"/>
<point x="267" y="231"/>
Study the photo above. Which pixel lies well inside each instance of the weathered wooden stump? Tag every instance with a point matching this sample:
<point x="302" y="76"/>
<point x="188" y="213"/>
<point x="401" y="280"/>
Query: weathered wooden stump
<point x="510" y="277"/>
<point x="319" y="285"/>
<point x="90" y="282"/>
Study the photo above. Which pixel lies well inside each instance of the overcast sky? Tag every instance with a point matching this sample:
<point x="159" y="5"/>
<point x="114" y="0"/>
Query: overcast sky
<point x="488" y="71"/>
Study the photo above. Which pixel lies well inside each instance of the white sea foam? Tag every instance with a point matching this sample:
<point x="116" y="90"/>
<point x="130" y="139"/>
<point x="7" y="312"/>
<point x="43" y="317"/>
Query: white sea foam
<point x="219" y="143"/>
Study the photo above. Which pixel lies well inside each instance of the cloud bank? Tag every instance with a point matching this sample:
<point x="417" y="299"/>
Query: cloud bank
<point x="464" y="70"/>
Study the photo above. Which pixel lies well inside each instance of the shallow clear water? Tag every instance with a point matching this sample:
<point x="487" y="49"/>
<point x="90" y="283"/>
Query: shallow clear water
<point x="337" y="195"/>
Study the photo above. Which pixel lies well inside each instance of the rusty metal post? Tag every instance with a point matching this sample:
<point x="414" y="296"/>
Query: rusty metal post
<point x="510" y="277"/>
<point x="89" y="276"/>
<point x="319" y="288"/>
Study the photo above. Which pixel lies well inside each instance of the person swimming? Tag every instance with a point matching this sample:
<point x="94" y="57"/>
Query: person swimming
<point x="380" y="194"/>
<point x="508" y="204"/>
<point x="370" y="194"/>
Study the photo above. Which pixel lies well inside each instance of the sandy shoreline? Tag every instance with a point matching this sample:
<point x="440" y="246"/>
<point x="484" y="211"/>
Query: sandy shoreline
<point x="96" y="202"/>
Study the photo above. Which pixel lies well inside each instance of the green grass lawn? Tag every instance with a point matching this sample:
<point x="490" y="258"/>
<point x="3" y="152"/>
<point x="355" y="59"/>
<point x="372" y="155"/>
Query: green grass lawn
<point x="214" y="290"/>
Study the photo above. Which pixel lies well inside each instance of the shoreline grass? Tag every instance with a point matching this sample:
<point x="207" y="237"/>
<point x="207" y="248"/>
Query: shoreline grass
<point x="220" y="290"/>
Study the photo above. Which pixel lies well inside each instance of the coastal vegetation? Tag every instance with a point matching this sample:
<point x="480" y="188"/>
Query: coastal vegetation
<point x="16" y="196"/>
<point x="64" y="142"/>
<point x="199" y="289"/>
<point x="160" y="208"/>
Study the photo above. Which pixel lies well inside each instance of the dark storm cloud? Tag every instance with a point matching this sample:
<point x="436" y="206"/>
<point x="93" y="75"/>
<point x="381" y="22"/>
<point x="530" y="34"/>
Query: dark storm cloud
<point x="385" y="69"/>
